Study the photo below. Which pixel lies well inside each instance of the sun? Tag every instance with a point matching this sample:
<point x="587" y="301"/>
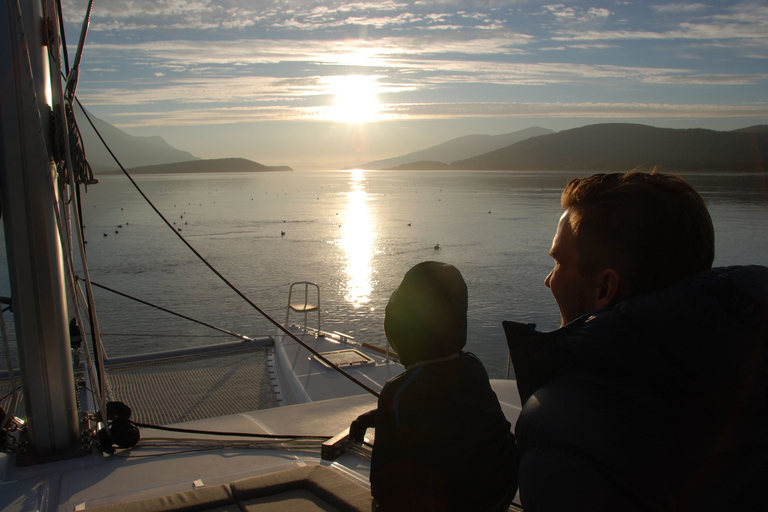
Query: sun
<point x="354" y="98"/>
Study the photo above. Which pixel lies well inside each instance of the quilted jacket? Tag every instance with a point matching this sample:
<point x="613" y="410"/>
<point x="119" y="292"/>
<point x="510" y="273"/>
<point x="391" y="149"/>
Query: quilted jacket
<point x="657" y="403"/>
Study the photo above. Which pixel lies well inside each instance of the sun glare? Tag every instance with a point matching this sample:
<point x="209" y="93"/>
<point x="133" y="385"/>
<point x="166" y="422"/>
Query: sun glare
<point x="354" y="98"/>
<point x="359" y="242"/>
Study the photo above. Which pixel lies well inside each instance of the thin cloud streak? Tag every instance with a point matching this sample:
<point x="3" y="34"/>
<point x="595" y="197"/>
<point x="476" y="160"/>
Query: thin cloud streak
<point x="426" y="111"/>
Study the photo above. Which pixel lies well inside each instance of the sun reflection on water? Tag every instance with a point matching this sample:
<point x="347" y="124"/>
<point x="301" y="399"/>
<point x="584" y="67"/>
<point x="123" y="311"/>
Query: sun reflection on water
<point x="358" y="241"/>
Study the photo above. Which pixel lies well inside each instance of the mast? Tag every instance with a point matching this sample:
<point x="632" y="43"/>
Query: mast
<point x="27" y="191"/>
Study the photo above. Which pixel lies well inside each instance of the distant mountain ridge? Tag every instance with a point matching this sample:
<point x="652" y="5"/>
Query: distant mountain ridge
<point x="758" y="128"/>
<point x="212" y="165"/>
<point x="622" y="147"/>
<point x="456" y="149"/>
<point x="152" y="155"/>
<point x="422" y="165"/>
<point x="132" y="151"/>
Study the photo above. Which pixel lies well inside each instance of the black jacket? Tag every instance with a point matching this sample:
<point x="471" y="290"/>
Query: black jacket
<point x="658" y="403"/>
<point x="442" y="441"/>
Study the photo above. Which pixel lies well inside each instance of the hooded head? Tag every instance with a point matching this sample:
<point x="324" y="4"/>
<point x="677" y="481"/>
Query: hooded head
<point x="426" y="317"/>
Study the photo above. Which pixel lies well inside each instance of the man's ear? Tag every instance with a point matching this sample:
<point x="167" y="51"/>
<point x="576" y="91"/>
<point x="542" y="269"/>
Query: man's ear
<point x="607" y="289"/>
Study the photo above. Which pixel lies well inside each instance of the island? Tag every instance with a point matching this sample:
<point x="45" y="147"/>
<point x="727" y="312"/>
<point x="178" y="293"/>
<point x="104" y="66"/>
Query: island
<point x="215" y="165"/>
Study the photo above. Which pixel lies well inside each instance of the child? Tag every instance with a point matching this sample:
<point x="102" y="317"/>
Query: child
<point x="442" y="442"/>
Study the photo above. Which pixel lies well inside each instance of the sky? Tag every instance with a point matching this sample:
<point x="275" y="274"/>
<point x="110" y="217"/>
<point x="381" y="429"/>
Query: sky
<point x="323" y="84"/>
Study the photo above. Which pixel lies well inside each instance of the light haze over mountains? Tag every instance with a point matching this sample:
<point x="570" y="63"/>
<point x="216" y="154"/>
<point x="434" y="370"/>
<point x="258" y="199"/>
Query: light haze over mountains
<point x="458" y="149"/>
<point x="591" y="148"/>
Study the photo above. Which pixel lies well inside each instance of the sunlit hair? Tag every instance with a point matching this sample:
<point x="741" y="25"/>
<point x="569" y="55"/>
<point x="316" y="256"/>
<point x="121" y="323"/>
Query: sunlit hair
<point x="652" y="228"/>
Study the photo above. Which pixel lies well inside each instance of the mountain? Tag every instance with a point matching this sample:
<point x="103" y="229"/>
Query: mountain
<point x="212" y="165"/>
<point x="456" y="149"/>
<point x="132" y="151"/>
<point x="621" y="147"/>
<point x="758" y="128"/>
<point x="423" y="165"/>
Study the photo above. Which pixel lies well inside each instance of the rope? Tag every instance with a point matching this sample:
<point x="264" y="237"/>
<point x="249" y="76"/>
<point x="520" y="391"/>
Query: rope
<point x="102" y="381"/>
<point x="233" y="434"/>
<point x="20" y="45"/>
<point x="241" y="336"/>
<point x="219" y="274"/>
<point x="155" y="335"/>
<point x="14" y="390"/>
<point x="68" y="136"/>
<point x="190" y="445"/>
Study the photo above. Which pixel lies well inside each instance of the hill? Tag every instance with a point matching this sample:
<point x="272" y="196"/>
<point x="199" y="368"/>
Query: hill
<point x="758" y="128"/>
<point x="213" y="165"/>
<point x="621" y="147"/>
<point x="424" y="165"/>
<point x="132" y="151"/>
<point x="456" y="149"/>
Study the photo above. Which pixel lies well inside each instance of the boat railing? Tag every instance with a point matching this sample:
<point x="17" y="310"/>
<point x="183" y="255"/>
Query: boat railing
<point x="303" y="306"/>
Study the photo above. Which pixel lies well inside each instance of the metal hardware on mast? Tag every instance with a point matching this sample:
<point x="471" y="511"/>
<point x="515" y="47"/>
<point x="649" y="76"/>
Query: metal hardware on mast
<point x="32" y="238"/>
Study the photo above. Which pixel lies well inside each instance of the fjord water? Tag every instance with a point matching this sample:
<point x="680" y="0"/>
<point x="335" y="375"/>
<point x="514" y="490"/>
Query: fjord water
<point x="355" y="233"/>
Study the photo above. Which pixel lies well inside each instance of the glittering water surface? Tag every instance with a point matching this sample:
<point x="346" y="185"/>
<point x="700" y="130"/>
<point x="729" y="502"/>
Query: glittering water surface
<point x="355" y="233"/>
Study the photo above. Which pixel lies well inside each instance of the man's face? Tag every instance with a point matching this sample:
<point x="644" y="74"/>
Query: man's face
<point x="572" y="290"/>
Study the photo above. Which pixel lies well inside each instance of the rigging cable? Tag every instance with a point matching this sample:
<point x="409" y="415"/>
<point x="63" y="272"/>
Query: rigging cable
<point x="63" y="36"/>
<point x="219" y="274"/>
<point x="73" y="75"/>
<point x="74" y="159"/>
<point x="44" y="151"/>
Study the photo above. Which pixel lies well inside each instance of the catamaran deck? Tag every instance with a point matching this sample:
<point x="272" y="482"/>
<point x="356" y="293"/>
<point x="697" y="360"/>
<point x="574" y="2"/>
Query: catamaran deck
<point x="177" y="386"/>
<point x="195" y="385"/>
<point x="271" y="385"/>
<point x="201" y="473"/>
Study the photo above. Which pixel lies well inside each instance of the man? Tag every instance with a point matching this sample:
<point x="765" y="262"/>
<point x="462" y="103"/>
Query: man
<point x="626" y="234"/>
<point x="652" y="394"/>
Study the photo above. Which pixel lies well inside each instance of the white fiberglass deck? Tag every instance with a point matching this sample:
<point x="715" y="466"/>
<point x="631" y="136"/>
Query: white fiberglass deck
<point x="305" y="378"/>
<point x="150" y="471"/>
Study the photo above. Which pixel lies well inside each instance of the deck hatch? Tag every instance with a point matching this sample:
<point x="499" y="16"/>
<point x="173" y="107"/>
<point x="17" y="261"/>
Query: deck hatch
<point x="346" y="358"/>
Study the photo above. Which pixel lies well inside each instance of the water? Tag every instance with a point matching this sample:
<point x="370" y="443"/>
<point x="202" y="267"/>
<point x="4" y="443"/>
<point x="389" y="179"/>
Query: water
<point x="355" y="234"/>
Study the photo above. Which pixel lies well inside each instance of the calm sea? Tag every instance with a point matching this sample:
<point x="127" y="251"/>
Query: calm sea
<point x="355" y="233"/>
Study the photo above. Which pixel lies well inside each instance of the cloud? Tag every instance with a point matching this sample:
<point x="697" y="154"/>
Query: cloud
<point x="387" y="51"/>
<point x="250" y="72"/>
<point x="209" y="116"/>
<point x="679" y="8"/>
<point x="411" y="111"/>
<point x="437" y="72"/>
<point x="575" y="16"/>
<point x="743" y="21"/>
<point x="723" y="79"/>
<point x="587" y="109"/>
<point x="399" y="65"/>
<point x="222" y="61"/>
<point x="121" y="17"/>
<point x="207" y="90"/>
<point x="581" y="46"/>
